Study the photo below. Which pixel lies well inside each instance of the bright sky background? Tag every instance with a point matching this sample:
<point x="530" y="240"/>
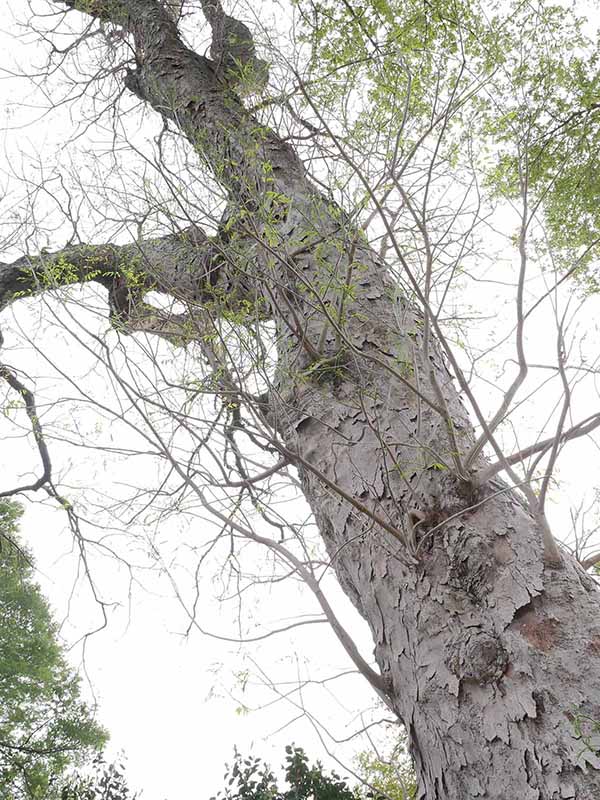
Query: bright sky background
<point x="175" y="703"/>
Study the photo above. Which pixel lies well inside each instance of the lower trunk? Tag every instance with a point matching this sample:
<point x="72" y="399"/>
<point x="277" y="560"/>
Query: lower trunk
<point x="492" y="663"/>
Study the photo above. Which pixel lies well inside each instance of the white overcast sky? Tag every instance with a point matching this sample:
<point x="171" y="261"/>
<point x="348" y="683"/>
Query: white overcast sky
<point x="173" y="702"/>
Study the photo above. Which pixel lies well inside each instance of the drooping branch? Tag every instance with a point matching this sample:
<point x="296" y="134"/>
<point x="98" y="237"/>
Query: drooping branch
<point x="27" y="395"/>
<point x="376" y="680"/>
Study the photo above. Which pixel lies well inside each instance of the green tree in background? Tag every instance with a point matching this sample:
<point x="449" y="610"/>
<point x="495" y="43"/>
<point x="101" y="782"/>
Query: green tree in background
<point x="103" y="782"/>
<point x="252" y="779"/>
<point x="391" y="774"/>
<point x="45" y="727"/>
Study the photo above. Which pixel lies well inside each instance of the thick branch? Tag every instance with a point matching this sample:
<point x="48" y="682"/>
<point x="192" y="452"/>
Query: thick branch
<point x="590" y="561"/>
<point x="233" y="51"/>
<point x="190" y="266"/>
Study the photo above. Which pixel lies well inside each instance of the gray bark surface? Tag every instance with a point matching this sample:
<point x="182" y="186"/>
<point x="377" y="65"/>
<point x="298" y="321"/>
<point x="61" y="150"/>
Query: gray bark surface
<point x="487" y="652"/>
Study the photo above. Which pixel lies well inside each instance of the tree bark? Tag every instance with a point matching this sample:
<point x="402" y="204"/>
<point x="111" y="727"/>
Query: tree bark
<point x="488" y="652"/>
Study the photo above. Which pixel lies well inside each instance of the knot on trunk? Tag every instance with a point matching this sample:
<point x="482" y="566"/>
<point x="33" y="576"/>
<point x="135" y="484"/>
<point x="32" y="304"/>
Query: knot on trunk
<point x="477" y="656"/>
<point x="471" y="566"/>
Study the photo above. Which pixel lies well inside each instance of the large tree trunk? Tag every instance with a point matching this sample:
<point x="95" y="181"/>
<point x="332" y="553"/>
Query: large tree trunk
<point x="488" y="652"/>
<point x="490" y="656"/>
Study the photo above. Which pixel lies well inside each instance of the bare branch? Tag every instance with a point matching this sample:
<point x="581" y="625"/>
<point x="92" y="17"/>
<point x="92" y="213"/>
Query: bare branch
<point x="582" y="428"/>
<point x="30" y="407"/>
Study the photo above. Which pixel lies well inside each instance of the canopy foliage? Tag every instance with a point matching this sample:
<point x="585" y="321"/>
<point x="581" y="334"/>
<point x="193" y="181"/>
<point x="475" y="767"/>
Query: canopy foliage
<point x="508" y="90"/>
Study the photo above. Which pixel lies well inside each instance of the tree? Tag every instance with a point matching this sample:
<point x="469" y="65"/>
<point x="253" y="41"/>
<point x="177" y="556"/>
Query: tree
<point x="45" y="727"/>
<point x="250" y="779"/>
<point x="392" y="776"/>
<point x="324" y="342"/>
<point x="106" y="782"/>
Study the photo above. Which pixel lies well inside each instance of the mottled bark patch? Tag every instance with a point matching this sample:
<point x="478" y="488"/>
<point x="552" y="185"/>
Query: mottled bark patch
<point x="503" y="551"/>
<point x="593" y="646"/>
<point x="541" y="632"/>
<point x="470" y="567"/>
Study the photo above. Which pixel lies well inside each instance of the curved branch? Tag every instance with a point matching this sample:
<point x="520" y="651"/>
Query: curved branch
<point x="590" y="561"/>
<point x="233" y="51"/>
<point x="9" y="376"/>
<point x="188" y="88"/>
<point x="582" y="428"/>
<point x="150" y="264"/>
<point x="376" y="680"/>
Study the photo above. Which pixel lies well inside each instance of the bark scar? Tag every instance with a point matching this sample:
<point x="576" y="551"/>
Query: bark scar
<point x="541" y="632"/>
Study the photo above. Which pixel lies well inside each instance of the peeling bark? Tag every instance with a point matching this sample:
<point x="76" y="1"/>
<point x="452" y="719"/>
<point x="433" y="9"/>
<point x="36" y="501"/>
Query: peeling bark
<point x="488" y="655"/>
